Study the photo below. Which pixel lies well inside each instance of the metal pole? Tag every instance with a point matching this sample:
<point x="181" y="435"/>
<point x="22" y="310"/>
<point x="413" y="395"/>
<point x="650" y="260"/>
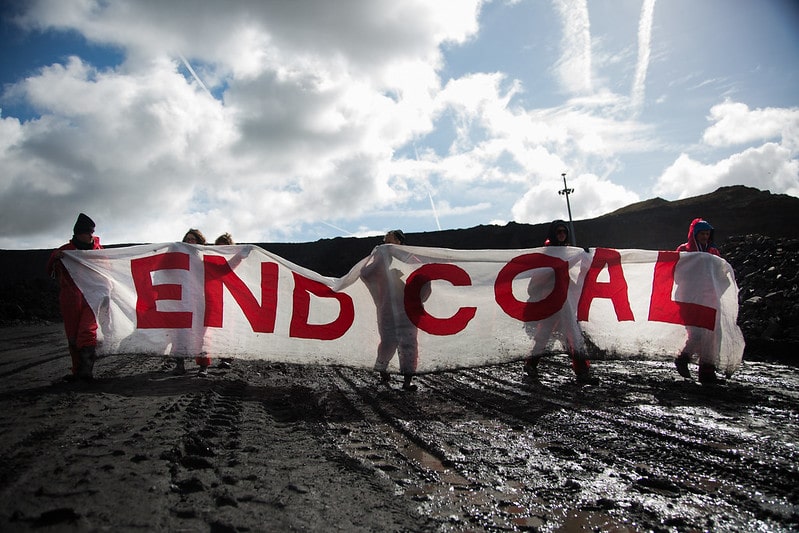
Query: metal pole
<point x="566" y="191"/>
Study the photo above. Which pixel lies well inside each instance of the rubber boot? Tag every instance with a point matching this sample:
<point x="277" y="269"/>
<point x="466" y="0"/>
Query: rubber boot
<point x="180" y="366"/>
<point x="74" y="356"/>
<point x="531" y="366"/>
<point x="707" y="375"/>
<point x="407" y="385"/>
<point x="681" y="363"/>
<point x="582" y="371"/>
<point x="88" y="355"/>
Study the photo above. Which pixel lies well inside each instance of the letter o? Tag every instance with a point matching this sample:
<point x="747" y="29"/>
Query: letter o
<point x="530" y="311"/>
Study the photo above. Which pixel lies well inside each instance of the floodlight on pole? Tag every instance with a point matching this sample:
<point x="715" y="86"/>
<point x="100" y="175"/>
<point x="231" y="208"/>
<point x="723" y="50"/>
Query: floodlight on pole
<point x="566" y="192"/>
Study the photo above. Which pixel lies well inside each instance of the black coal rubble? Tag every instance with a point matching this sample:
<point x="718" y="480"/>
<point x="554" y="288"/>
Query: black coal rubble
<point x="767" y="273"/>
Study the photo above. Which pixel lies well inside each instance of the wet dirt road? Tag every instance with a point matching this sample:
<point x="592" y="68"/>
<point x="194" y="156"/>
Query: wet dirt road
<point x="265" y="447"/>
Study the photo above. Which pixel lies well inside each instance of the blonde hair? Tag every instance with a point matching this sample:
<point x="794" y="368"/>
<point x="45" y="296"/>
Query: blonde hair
<point x="225" y="238"/>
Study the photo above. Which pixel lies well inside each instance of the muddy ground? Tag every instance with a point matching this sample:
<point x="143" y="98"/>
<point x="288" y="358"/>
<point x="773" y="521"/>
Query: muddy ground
<point x="275" y="447"/>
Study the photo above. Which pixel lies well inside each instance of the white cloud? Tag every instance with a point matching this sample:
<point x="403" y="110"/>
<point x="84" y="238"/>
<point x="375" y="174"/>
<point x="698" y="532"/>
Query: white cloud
<point x="773" y="166"/>
<point x="769" y="166"/>
<point x="734" y="123"/>
<point x="592" y="197"/>
<point x="316" y="98"/>
<point x="336" y="114"/>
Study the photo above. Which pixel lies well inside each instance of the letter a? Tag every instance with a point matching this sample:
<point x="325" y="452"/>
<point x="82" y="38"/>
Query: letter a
<point x="615" y="290"/>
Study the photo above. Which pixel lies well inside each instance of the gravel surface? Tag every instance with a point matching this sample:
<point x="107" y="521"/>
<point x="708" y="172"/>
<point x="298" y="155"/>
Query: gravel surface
<point x="275" y="447"/>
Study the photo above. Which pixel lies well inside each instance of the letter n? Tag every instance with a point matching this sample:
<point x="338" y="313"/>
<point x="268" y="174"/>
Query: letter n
<point x="218" y="274"/>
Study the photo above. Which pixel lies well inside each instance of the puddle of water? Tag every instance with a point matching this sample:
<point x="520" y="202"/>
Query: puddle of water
<point x="431" y="462"/>
<point x="577" y="520"/>
<point x="530" y="522"/>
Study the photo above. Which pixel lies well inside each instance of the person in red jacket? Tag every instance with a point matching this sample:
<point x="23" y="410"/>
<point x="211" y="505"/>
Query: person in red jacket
<point x="700" y="239"/>
<point x="80" y="324"/>
<point x="558" y="235"/>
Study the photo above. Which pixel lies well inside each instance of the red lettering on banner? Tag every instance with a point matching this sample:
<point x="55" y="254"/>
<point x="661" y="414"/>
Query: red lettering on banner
<point x="301" y="329"/>
<point x="218" y="274"/>
<point x="615" y="289"/>
<point x="415" y="308"/>
<point x="530" y="311"/>
<point x="663" y="309"/>
<point x="147" y="294"/>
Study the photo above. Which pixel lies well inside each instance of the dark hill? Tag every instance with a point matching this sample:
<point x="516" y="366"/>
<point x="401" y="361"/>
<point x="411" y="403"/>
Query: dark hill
<point x="655" y="224"/>
<point x="758" y="233"/>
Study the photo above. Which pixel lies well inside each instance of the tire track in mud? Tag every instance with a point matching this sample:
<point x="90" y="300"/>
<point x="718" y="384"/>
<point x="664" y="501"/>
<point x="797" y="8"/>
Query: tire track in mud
<point x="402" y="450"/>
<point x="25" y="344"/>
<point x="200" y="442"/>
<point x="677" y="461"/>
<point x="292" y="447"/>
<point x="210" y="434"/>
<point x="690" y="459"/>
<point x="457" y="497"/>
<point x="505" y="449"/>
<point x="712" y="457"/>
<point x="384" y="441"/>
<point x="259" y="452"/>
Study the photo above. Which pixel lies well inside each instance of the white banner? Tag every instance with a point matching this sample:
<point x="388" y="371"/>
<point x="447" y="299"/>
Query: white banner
<point x="439" y="308"/>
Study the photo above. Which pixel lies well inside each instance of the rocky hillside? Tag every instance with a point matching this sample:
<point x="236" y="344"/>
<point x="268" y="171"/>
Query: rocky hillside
<point x="767" y="272"/>
<point x="757" y="232"/>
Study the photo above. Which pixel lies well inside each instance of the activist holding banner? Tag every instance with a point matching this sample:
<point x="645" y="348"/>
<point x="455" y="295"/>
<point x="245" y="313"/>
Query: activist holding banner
<point x="700" y="239"/>
<point x="226" y="239"/>
<point x="468" y="307"/>
<point x="196" y="237"/>
<point x="80" y="324"/>
<point x="561" y="326"/>
<point x="397" y="333"/>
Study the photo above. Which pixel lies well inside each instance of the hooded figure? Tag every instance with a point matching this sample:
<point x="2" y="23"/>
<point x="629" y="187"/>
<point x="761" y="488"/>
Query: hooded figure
<point x="558" y="234"/>
<point x="542" y="330"/>
<point x="700" y="238"/>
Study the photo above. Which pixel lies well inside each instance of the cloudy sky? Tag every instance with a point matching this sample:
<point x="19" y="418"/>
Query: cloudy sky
<point x="294" y="121"/>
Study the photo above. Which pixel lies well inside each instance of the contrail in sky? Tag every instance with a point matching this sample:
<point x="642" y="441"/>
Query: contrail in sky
<point x="194" y="74"/>
<point x="435" y="213"/>
<point x="574" y="65"/>
<point x="644" y="48"/>
<point x="341" y="230"/>
<point x="429" y="194"/>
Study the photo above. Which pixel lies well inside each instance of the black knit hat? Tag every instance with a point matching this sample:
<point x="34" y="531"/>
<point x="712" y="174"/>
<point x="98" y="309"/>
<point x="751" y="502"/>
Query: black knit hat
<point x="83" y="225"/>
<point x="399" y="235"/>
